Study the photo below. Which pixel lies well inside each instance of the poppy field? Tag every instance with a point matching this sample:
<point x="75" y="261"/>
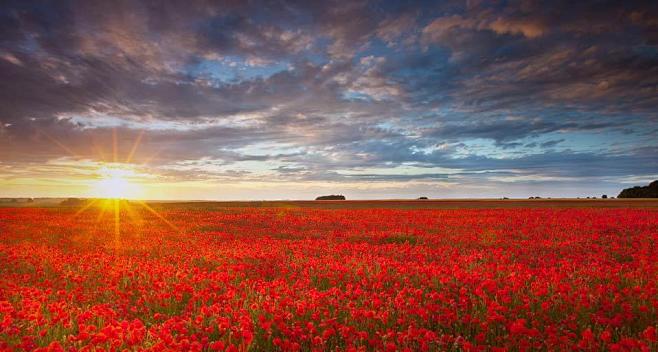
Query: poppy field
<point x="118" y="277"/>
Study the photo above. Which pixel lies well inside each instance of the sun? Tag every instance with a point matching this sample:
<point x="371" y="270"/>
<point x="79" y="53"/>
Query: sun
<point x="115" y="182"/>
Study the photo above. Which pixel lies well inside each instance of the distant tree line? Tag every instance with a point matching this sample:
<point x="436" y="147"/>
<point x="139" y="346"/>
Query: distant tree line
<point x="73" y="202"/>
<point x="650" y="191"/>
<point x="16" y="200"/>
<point x="331" y="197"/>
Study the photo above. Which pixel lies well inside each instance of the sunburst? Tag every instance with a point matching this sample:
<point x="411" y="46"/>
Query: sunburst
<point x="115" y="183"/>
<point x="113" y="187"/>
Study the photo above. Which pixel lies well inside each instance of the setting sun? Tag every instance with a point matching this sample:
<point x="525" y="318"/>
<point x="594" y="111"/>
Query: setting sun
<point x="115" y="182"/>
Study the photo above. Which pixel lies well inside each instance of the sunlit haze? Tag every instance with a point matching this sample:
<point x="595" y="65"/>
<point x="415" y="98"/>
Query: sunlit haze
<point x="115" y="183"/>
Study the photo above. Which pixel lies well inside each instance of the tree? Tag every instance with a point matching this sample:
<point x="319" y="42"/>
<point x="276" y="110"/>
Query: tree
<point x="650" y="191"/>
<point x="331" y="197"/>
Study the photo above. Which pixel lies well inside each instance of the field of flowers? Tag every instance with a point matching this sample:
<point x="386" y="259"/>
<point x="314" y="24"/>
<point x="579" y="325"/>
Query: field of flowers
<point x="262" y="279"/>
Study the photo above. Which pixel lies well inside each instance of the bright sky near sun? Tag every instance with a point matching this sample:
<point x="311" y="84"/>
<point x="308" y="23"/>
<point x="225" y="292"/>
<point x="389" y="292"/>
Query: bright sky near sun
<point x="371" y="99"/>
<point x="116" y="183"/>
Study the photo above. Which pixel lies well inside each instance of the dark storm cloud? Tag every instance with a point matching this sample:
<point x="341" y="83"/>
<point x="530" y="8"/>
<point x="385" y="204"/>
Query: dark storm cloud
<point x="335" y="86"/>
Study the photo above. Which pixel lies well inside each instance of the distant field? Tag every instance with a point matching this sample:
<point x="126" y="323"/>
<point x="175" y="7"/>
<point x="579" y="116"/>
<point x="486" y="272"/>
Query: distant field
<point x="391" y="204"/>
<point x="426" y="204"/>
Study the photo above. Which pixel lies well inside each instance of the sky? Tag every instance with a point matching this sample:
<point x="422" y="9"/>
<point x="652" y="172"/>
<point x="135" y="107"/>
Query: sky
<point x="295" y="99"/>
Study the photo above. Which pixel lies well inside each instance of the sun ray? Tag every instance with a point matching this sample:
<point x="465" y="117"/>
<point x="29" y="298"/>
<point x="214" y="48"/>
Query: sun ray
<point x="115" y="145"/>
<point x="87" y="206"/>
<point x="154" y="212"/>
<point x="152" y="157"/>
<point x="101" y="212"/>
<point x="117" y="224"/>
<point x="99" y="152"/>
<point x="135" y="218"/>
<point x="113" y="187"/>
<point x="134" y="148"/>
<point x="59" y="144"/>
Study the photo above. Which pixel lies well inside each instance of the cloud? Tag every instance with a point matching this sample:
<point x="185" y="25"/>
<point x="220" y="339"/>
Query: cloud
<point x="397" y="30"/>
<point x="441" y="27"/>
<point x="551" y="143"/>
<point x="530" y="86"/>
<point x="528" y="29"/>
